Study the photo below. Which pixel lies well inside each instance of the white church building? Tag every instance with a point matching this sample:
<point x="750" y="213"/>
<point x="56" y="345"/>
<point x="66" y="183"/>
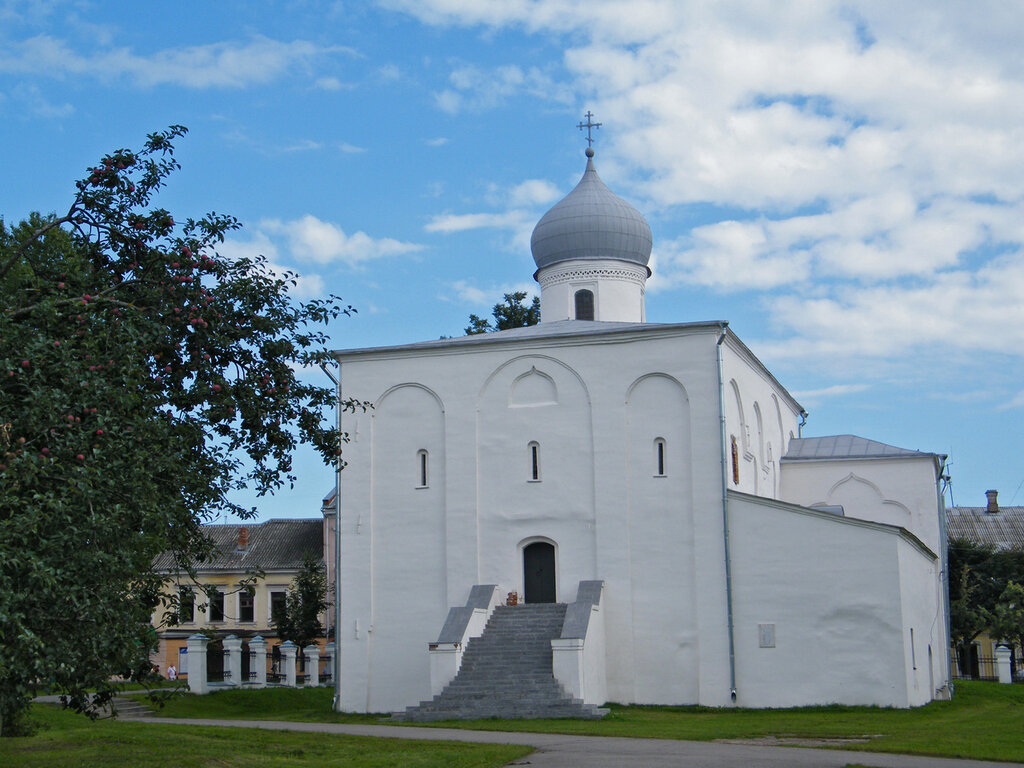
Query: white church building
<point x="651" y="477"/>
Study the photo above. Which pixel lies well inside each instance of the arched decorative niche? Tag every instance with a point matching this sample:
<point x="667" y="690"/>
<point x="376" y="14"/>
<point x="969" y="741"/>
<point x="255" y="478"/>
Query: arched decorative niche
<point x="531" y="389"/>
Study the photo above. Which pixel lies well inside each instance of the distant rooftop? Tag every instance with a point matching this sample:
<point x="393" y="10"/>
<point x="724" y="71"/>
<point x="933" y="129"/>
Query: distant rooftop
<point x="273" y="545"/>
<point x="1000" y="527"/>
<point x="844" y="447"/>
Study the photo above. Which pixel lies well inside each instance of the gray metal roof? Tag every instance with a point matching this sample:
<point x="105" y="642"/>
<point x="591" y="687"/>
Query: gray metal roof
<point x="844" y="447"/>
<point x="273" y="545"/>
<point x="591" y="222"/>
<point x="1003" y="529"/>
<point x="546" y="330"/>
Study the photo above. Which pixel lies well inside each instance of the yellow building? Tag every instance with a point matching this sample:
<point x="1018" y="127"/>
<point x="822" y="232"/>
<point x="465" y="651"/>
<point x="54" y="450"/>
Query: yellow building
<point x="251" y="568"/>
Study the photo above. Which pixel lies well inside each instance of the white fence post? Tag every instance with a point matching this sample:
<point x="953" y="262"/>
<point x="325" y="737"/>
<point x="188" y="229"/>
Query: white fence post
<point x="329" y="652"/>
<point x="196" y="656"/>
<point x="312" y="652"/>
<point x="233" y="662"/>
<point x="1003" y="664"/>
<point x="288" y="649"/>
<point x="258" y="661"/>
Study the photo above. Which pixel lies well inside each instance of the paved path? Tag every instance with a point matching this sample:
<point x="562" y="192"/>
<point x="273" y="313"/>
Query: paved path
<point x="562" y="751"/>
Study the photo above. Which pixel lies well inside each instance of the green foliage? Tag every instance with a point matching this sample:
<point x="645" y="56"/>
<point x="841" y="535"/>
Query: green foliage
<point x="306" y="601"/>
<point x="143" y="378"/>
<point x="978" y="575"/>
<point x="513" y="312"/>
<point x="1008" y="616"/>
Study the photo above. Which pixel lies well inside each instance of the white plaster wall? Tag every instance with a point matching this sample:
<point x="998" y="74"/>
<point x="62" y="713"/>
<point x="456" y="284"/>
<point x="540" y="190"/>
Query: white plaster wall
<point x="762" y="417"/>
<point x="534" y="398"/>
<point x="922" y="606"/>
<point x="489" y="402"/>
<point x="661" y="532"/>
<point x="830" y="587"/>
<point x="897" y="491"/>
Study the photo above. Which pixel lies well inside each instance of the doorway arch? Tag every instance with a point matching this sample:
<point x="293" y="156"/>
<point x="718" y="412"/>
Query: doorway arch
<point x="539" y="572"/>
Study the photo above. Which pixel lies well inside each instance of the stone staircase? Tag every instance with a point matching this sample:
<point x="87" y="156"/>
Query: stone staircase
<point x="506" y="672"/>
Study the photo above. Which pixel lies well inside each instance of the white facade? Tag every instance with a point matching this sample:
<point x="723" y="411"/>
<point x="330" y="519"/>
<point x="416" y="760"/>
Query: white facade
<point x="737" y="562"/>
<point x="440" y="495"/>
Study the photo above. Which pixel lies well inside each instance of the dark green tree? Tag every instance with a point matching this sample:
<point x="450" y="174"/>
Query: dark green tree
<point x="143" y="379"/>
<point x="978" y="575"/>
<point x="512" y="312"/>
<point x="306" y="602"/>
<point x="1008" y="616"/>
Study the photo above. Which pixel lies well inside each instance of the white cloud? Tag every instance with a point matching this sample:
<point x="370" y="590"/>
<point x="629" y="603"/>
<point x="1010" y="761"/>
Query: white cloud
<point x="533" y="192"/>
<point x="217" y="65"/>
<point x="836" y="390"/>
<point x="867" y="161"/>
<point x="307" y="285"/>
<point x="351" y="149"/>
<point x="467" y="293"/>
<point x="310" y="239"/>
<point x="1015" y="402"/>
<point x="303" y="145"/>
<point x="450" y="222"/>
<point x="473" y="88"/>
<point x="440" y="141"/>
<point x="328" y="84"/>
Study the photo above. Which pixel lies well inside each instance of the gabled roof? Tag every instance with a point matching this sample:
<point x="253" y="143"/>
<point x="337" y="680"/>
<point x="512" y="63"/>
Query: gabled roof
<point x="845" y="447"/>
<point x="1003" y="529"/>
<point x="557" y="329"/>
<point x="273" y="546"/>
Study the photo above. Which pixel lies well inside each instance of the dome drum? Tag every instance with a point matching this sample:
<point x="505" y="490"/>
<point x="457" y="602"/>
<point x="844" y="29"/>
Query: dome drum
<point x="592" y="235"/>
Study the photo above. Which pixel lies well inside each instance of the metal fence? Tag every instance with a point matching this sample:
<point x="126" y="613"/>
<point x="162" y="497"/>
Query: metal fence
<point x="970" y="665"/>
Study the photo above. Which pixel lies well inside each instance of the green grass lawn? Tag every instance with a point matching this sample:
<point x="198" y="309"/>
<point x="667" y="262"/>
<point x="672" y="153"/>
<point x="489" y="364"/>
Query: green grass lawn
<point x="67" y="740"/>
<point x="984" y="720"/>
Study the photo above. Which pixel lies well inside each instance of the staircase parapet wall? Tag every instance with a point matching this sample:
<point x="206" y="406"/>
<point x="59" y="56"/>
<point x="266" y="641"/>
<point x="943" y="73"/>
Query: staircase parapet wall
<point x="578" y="656"/>
<point x="462" y="624"/>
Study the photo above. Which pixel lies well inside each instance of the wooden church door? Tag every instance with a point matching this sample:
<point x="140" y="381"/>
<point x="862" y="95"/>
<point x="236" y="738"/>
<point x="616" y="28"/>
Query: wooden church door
<point x="539" y="572"/>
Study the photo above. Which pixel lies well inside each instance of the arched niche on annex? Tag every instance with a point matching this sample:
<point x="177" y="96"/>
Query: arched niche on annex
<point x="660" y="507"/>
<point x="407" y="526"/>
<point x="859" y="497"/>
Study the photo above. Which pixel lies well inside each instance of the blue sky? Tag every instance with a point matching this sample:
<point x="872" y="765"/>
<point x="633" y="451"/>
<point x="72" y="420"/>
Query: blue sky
<point x="842" y="181"/>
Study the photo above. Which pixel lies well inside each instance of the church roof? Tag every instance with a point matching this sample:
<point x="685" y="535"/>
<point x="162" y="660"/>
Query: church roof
<point x="845" y="447"/>
<point x="1003" y="529"/>
<point x="591" y="222"/>
<point x="567" y="331"/>
<point x="547" y="330"/>
<point x="273" y="545"/>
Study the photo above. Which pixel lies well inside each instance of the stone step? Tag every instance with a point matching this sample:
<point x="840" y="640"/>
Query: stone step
<point x="506" y="672"/>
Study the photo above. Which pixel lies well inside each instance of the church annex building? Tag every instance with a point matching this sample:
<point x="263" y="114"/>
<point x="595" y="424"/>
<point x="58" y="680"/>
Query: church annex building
<point x="652" y="478"/>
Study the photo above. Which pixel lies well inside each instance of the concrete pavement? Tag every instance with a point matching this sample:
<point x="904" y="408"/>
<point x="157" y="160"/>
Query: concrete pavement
<point x="564" y="751"/>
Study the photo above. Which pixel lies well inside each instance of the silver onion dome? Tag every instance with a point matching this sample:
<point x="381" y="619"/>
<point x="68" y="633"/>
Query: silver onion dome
<point x="591" y="222"/>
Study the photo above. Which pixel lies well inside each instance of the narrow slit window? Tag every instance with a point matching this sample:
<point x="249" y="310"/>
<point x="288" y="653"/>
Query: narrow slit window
<point x="584" y="304"/>
<point x="735" y="462"/>
<point x="534" y="462"/>
<point x="659" y="457"/>
<point x="422" y="466"/>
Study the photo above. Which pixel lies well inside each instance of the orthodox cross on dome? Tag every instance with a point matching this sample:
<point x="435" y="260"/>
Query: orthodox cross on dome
<point x="588" y="125"/>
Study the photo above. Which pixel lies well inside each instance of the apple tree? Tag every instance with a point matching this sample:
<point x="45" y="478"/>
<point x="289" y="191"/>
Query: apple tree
<point x="143" y="379"/>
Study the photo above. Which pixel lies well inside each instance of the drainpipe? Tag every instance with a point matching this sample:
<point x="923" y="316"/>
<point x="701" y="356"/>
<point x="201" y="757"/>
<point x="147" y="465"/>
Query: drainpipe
<point x="800" y="426"/>
<point x="940" y="483"/>
<point x="336" y="661"/>
<point x="724" y="330"/>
